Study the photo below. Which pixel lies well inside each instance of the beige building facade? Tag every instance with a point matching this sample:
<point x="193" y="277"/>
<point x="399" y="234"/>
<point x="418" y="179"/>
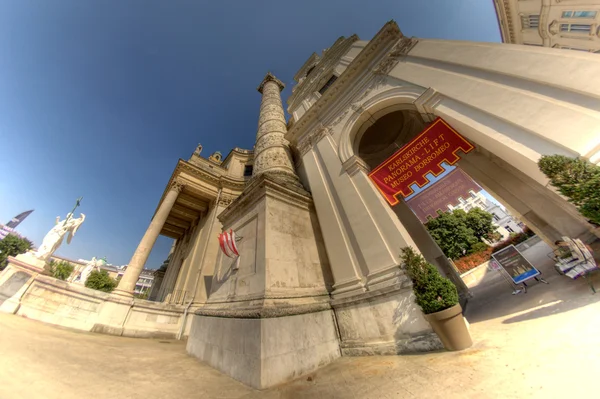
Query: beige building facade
<point x="319" y="275"/>
<point x="570" y="24"/>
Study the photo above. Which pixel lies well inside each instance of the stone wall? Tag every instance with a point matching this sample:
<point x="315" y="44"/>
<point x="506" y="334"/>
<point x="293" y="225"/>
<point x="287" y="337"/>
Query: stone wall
<point x="72" y="305"/>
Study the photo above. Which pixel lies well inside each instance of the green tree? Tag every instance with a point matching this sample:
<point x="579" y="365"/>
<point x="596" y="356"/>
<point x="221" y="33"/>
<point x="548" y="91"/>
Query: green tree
<point x="101" y="281"/>
<point x="433" y="293"/>
<point x="13" y="245"/>
<point x="61" y="270"/>
<point x="459" y="233"/>
<point x="481" y="223"/>
<point x="577" y="179"/>
<point x="451" y="233"/>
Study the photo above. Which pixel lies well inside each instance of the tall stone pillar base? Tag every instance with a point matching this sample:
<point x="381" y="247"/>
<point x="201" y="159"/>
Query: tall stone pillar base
<point x="268" y="318"/>
<point x="263" y="352"/>
<point x="385" y="321"/>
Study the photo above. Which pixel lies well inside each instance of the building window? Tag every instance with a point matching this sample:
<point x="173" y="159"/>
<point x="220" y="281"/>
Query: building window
<point x="247" y="170"/>
<point x="326" y="85"/>
<point x="509" y="229"/>
<point x="310" y="70"/>
<point x="579" y="14"/>
<point x="495" y="216"/>
<point x="576" y="28"/>
<point x="530" y="21"/>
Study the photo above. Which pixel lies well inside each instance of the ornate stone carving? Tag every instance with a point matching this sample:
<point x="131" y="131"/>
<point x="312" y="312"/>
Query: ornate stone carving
<point x="553" y="28"/>
<point x="312" y="138"/>
<point x="177" y="185"/>
<point x="356" y="105"/>
<point x="270" y="78"/>
<point x="400" y="49"/>
<point x="271" y="151"/>
<point x="390" y="32"/>
<point x="225" y="200"/>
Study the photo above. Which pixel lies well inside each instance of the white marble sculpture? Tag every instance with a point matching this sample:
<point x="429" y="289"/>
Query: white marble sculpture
<point x="54" y="238"/>
<point x="91" y="265"/>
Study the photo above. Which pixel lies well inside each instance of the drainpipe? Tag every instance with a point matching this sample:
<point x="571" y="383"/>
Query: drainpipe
<point x="187" y="307"/>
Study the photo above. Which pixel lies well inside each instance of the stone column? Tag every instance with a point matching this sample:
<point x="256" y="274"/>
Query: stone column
<point x="272" y="152"/>
<point x="136" y="265"/>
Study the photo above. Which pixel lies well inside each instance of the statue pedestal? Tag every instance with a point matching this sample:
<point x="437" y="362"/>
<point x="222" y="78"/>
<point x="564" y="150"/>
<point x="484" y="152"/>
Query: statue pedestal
<point x="268" y="318"/>
<point x="32" y="261"/>
<point x="16" y="278"/>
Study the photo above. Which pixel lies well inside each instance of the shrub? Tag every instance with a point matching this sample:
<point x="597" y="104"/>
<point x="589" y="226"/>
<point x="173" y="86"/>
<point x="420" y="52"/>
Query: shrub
<point x="13" y="245"/>
<point x="433" y="292"/>
<point x="101" y="281"/>
<point x="61" y="270"/>
<point x="578" y="180"/>
<point x="478" y="247"/>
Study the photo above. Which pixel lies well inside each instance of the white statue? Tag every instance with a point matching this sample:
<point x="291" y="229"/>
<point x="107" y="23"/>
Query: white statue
<point x="92" y="265"/>
<point x="54" y="238"/>
<point x="198" y="150"/>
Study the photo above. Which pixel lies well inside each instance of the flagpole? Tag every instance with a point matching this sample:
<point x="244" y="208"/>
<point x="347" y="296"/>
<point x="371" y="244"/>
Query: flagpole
<point x="70" y="214"/>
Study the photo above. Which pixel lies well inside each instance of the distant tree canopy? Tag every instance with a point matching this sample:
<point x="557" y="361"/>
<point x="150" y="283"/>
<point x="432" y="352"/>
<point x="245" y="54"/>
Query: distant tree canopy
<point x="578" y="180"/>
<point x="101" y="281"/>
<point x="13" y="245"/>
<point x="459" y="233"/>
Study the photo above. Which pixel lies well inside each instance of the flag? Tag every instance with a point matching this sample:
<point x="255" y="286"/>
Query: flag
<point x="14" y="222"/>
<point x="227" y="242"/>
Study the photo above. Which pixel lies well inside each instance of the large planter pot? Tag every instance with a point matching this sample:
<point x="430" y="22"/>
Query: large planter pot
<point x="451" y="328"/>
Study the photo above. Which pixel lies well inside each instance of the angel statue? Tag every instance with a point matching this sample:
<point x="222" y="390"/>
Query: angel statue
<point x="91" y="265"/>
<point x="54" y="238"/>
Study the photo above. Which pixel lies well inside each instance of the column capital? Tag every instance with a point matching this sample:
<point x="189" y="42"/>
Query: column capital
<point x="269" y="77"/>
<point x="177" y="185"/>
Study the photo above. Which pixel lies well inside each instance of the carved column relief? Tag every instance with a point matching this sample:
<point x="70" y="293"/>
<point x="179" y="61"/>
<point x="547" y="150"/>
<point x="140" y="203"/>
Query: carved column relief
<point x="271" y="152"/>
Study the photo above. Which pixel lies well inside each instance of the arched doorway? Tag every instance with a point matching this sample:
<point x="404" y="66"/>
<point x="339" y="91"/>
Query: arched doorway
<point x="386" y="135"/>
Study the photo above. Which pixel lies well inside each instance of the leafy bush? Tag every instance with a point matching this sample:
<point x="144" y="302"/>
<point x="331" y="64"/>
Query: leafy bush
<point x="578" y="180"/>
<point x="101" y="281"/>
<point x="433" y="292"/>
<point x="61" y="270"/>
<point x="13" y="245"/>
<point x="478" y="247"/>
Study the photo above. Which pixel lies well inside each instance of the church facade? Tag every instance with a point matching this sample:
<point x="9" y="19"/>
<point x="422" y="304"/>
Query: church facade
<point x="319" y="276"/>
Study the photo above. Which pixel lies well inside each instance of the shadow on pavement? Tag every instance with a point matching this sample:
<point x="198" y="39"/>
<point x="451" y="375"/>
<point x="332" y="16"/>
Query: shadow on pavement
<point x="495" y="300"/>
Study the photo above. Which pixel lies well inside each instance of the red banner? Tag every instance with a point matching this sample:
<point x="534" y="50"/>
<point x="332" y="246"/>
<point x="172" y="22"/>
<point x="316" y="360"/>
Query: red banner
<point x="438" y="143"/>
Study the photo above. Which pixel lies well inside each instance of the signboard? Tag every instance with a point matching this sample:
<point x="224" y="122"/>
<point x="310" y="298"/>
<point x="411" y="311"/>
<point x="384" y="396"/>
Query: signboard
<point x="442" y="193"/>
<point x="410" y="165"/>
<point x="514" y="263"/>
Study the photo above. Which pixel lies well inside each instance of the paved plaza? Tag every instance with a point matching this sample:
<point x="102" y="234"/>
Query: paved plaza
<point x="543" y="344"/>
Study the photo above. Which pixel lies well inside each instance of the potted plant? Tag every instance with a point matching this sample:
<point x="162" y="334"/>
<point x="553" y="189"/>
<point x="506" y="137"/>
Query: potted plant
<point x="438" y="298"/>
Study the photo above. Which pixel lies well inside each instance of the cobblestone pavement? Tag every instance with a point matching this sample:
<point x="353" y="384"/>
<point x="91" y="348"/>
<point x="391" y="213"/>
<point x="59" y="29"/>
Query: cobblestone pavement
<point x="543" y="344"/>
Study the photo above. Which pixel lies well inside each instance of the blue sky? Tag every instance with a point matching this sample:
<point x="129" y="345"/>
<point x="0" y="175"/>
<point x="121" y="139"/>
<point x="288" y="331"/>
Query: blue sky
<point x="100" y="98"/>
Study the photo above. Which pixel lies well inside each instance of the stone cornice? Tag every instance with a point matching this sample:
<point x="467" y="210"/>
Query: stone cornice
<point x="390" y="33"/>
<point x="216" y="180"/>
<point x="269" y="77"/>
<point x="270" y="184"/>
<point x="327" y="63"/>
<point x="263" y="312"/>
<point x="401" y="48"/>
<point x="312" y="60"/>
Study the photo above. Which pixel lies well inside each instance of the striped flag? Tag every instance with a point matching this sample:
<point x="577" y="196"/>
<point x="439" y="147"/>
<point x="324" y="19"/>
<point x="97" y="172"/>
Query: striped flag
<point x="228" y="243"/>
